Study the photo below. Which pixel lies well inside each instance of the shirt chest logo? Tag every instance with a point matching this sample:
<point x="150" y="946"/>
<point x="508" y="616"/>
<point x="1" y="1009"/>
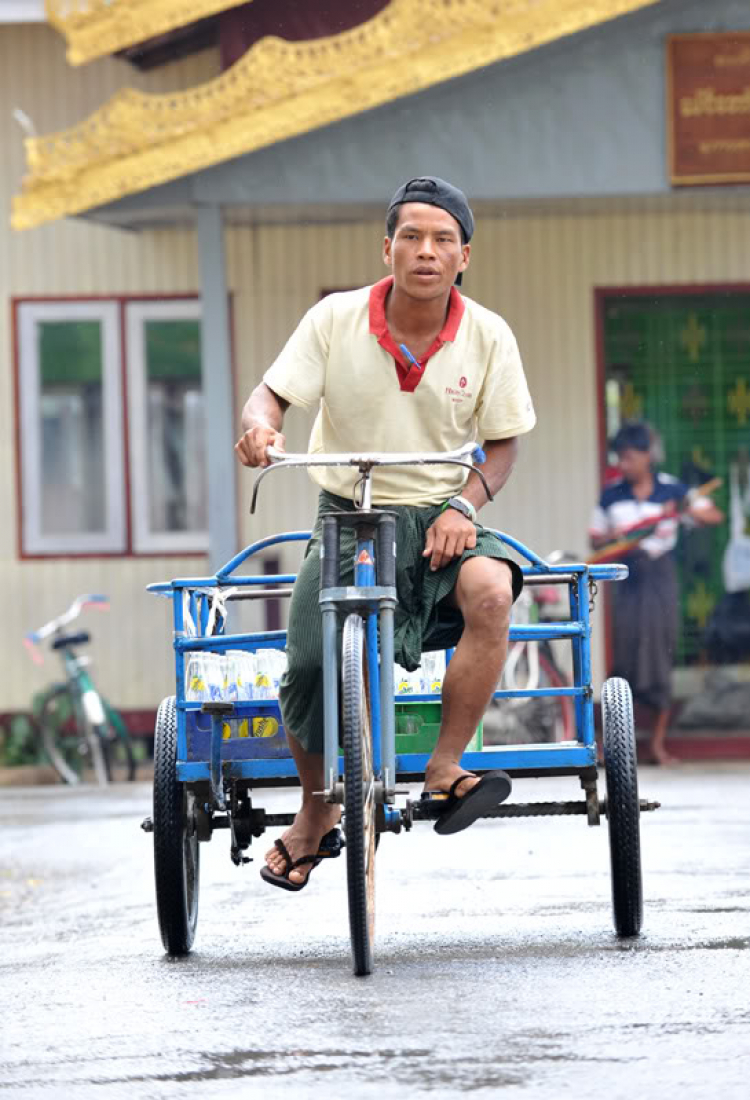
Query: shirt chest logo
<point x="460" y="394"/>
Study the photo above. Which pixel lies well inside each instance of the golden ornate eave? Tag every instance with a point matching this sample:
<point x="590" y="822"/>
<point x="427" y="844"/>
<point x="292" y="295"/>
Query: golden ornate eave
<point x="280" y="89"/>
<point x="96" y="28"/>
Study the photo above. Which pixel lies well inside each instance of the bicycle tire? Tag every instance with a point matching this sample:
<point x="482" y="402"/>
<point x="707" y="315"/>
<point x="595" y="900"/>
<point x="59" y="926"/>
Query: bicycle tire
<point x="61" y="738"/>
<point x="117" y="746"/>
<point x="359" y="796"/>
<point x="95" y="742"/>
<point x="176" y="850"/>
<point x="623" y="806"/>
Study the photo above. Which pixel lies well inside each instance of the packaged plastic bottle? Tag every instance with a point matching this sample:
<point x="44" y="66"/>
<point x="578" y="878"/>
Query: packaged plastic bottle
<point x="278" y="665"/>
<point x="246" y="673"/>
<point x="215" y="674"/>
<point x="407" y="683"/>
<point x="196" y="678"/>
<point x="433" y="671"/>
<point x="232" y="677"/>
<point x="263" y="683"/>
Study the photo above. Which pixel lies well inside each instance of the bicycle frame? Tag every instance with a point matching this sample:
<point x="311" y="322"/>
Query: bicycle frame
<point x="377" y="604"/>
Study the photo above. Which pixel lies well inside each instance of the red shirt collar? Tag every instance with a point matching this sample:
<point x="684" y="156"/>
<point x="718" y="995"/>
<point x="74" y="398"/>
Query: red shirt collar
<point x="409" y="375"/>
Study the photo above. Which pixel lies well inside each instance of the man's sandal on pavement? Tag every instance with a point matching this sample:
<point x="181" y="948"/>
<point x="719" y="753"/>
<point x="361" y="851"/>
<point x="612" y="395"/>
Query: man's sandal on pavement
<point x="460" y="812"/>
<point x="330" y="848"/>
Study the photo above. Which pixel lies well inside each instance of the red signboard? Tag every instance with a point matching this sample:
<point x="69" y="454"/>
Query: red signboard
<point x="708" y="80"/>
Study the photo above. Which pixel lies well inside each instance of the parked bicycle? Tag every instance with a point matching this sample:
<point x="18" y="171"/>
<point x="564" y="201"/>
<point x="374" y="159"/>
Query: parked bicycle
<point x="79" y="731"/>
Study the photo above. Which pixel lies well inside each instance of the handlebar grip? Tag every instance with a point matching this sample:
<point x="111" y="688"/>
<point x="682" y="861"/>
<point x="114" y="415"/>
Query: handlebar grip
<point x="330" y="559"/>
<point x="479" y="456"/>
<point x="386" y="559"/>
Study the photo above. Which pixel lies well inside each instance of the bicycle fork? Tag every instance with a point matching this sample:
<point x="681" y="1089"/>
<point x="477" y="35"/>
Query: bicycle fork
<point x="373" y="596"/>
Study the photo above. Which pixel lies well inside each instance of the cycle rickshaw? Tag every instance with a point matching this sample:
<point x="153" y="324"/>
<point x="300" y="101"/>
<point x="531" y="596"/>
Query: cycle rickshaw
<point x="215" y="755"/>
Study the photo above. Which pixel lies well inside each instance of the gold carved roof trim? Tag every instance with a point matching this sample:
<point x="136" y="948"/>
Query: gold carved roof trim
<point x="279" y="90"/>
<point x="96" y="28"/>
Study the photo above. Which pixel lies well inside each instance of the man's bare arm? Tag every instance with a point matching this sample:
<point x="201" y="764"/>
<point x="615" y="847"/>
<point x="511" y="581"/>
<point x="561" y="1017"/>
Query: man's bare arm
<point x="501" y="457"/>
<point x="262" y="420"/>
<point x="452" y="533"/>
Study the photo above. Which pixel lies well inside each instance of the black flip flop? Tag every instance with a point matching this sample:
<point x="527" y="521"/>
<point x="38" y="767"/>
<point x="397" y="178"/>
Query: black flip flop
<point x="459" y="813"/>
<point x="330" y="848"/>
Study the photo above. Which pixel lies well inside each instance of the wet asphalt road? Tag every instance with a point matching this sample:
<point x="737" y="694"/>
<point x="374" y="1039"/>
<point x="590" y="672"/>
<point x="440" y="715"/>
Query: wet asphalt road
<point x="497" y="969"/>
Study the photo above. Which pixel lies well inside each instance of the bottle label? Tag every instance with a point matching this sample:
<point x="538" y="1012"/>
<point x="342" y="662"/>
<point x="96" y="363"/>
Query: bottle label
<point x="265" y="725"/>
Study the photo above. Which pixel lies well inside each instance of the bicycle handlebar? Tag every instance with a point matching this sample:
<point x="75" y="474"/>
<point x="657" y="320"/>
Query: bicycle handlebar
<point x="379" y="458"/>
<point x="79" y="603"/>
<point x="366" y="461"/>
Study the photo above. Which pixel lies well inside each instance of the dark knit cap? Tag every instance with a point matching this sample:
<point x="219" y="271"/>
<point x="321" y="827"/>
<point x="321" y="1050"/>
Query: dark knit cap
<point x="437" y="192"/>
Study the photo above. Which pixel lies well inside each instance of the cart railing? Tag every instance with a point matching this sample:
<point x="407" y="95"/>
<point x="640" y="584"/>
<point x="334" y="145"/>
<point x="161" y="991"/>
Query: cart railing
<point x="199" y="629"/>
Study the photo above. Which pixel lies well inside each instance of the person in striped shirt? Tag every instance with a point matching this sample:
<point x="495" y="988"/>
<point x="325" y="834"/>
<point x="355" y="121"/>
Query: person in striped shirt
<point x="646" y="605"/>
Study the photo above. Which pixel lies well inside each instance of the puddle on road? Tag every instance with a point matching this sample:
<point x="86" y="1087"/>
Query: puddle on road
<point x="413" y="1067"/>
<point x="726" y="945"/>
<point x="710" y="910"/>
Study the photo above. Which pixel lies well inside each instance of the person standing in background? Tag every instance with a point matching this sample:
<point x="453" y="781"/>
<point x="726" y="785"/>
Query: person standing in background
<point x="646" y="605"/>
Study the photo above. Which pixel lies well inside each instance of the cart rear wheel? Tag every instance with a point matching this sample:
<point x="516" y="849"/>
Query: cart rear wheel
<point x="623" y="807"/>
<point x="176" y="852"/>
<point x="359" y="796"/>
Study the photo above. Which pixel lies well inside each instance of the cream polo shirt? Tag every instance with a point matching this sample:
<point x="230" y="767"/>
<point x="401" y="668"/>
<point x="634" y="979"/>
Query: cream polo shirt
<point x="342" y="361"/>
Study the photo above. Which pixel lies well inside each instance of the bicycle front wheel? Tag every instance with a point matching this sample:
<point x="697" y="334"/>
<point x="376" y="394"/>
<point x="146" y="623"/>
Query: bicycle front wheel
<point x="63" y="740"/>
<point x="359" y="796"/>
<point x="117" y="746"/>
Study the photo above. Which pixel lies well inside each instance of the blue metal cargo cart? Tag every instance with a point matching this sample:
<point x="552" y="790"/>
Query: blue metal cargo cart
<point x="216" y="751"/>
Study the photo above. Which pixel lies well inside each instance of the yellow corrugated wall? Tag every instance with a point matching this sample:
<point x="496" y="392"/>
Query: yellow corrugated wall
<point x="539" y="271"/>
<point x="132" y="644"/>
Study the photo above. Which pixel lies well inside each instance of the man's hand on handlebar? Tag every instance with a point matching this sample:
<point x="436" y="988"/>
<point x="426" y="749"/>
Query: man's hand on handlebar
<point x="449" y="536"/>
<point x="252" y="447"/>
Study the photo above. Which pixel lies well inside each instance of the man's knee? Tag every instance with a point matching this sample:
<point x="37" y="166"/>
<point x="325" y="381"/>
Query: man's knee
<point x="486" y="597"/>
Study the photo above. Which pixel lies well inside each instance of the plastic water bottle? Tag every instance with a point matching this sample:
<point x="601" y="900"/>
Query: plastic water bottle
<point x="433" y="671"/>
<point x="263" y="683"/>
<point x="407" y="683"/>
<point x="196" y="679"/>
<point x="245" y="673"/>
<point x="215" y="676"/>
<point x="278" y="666"/>
<point x="234" y="686"/>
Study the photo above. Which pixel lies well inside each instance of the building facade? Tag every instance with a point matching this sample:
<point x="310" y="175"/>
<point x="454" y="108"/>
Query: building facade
<point x="626" y="296"/>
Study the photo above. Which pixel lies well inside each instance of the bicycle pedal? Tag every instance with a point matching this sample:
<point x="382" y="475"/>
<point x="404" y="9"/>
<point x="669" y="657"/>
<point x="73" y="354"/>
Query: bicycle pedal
<point x="427" y="807"/>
